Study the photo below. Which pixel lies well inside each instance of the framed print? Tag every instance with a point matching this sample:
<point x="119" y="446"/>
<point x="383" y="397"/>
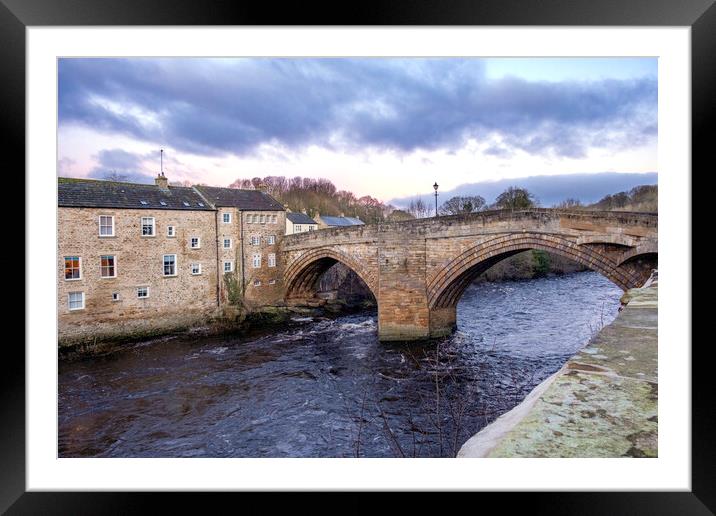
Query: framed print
<point x="299" y="257"/>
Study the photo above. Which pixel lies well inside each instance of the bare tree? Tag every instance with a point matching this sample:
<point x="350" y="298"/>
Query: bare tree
<point x="419" y="209"/>
<point x="115" y="176"/>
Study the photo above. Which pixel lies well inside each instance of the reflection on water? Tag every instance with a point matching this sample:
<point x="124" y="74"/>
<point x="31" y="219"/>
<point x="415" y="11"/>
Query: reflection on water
<point x="328" y="388"/>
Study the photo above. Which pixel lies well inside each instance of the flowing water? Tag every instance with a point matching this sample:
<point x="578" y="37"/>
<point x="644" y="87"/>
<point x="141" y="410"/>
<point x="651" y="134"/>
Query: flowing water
<point x="327" y="387"/>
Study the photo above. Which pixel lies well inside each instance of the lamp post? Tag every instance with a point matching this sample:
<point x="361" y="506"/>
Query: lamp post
<point x="435" y="186"/>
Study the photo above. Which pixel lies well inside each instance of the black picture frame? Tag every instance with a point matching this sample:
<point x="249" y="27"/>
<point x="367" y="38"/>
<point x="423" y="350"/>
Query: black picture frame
<point x="16" y="15"/>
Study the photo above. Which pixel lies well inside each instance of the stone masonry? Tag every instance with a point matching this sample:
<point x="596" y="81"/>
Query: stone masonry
<point x="417" y="270"/>
<point x="176" y="301"/>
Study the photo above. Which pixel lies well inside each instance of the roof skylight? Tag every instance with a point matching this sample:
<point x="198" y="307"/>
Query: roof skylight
<point x="143" y="202"/>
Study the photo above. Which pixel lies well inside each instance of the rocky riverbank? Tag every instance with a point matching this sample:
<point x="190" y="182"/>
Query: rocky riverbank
<point x="602" y="403"/>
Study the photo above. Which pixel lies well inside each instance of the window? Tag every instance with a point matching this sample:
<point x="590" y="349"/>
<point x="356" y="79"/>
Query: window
<point x="255" y="240"/>
<point x="195" y="242"/>
<point x="106" y="225"/>
<point x="143" y="203"/>
<point x="271" y="239"/>
<point x="76" y="300"/>
<point x="162" y="203"/>
<point x="272" y="260"/>
<point x="147" y="226"/>
<point x="142" y="292"/>
<point x="257" y="283"/>
<point x="257" y="261"/>
<point x="227" y="218"/>
<point x="228" y="266"/>
<point x="311" y="227"/>
<point x="107" y="267"/>
<point x="170" y="265"/>
<point x="73" y="270"/>
<point x="261" y="219"/>
<point x="297" y="228"/>
<point x="272" y="282"/>
<point x="195" y="268"/>
<point x="273" y="219"/>
<point x="115" y="296"/>
<point x="170" y="231"/>
<point x="227" y="243"/>
<point x="255" y="219"/>
<point x="186" y="204"/>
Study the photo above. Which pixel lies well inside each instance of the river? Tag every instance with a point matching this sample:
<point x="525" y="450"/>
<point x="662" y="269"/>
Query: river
<point x="327" y="387"/>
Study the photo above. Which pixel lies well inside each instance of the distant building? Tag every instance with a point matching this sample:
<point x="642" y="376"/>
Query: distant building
<point x="299" y="223"/>
<point x="328" y="221"/>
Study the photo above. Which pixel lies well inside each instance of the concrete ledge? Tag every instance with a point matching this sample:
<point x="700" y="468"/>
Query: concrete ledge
<point x="602" y="403"/>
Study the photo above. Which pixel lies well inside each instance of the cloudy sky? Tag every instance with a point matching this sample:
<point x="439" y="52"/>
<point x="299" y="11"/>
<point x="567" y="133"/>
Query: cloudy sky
<point x="386" y="127"/>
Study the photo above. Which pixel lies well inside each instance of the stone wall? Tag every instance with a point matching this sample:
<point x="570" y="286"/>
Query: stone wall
<point x="173" y="302"/>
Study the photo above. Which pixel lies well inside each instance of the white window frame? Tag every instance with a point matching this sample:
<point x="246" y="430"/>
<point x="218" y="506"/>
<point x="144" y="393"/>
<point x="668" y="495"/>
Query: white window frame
<point x="257" y="283"/>
<point x="191" y="269"/>
<point x="99" y="222"/>
<point x="274" y="219"/>
<point x="254" y="262"/>
<point x="271" y="260"/>
<point x="272" y="282"/>
<point x="141" y="227"/>
<point x="271" y="239"/>
<point x="262" y="219"/>
<point x="171" y="232"/>
<point x="118" y="298"/>
<point x="142" y="297"/>
<point x="69" y="301"/>
<point x="198" y="242"/>
<point x="79" y="258"/>
<point x="255" y="240"/>
<point x="297" y="228"/>
<point x="114" y="266"/>
<point x="223" y="217"/>
<point x="231" y="243"/>
<point x="231" y="265"/>
<point x="176" y="265"/>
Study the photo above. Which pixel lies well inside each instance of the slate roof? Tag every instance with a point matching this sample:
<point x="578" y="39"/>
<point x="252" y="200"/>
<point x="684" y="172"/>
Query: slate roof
<point x="300" y="218"/>
<point x="254" y="200"/>
<point x="342" y="221"/>
<point x="93" y="193"/>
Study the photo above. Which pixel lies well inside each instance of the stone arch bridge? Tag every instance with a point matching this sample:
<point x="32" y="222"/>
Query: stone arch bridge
<point x="418" y="270"/>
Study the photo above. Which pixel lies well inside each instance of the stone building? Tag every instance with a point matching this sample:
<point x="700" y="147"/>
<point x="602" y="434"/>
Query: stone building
<point x="133" y="258"/>
<point x="138" y="259"/>
<point x="299" y="223"/>
<point x="250" y="225"/>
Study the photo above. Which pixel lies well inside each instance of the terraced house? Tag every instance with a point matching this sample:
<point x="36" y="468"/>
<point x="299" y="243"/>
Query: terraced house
<point x="134" y="259"/>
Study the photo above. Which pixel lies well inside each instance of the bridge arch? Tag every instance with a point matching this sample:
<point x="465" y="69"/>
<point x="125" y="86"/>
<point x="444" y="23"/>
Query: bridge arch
<point x="445" y="289"/>
<point x="301" y="276"/>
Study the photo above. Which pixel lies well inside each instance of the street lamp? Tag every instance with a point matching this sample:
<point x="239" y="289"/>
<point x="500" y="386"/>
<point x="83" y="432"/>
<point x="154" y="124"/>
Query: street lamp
<point x="435" y="186"/>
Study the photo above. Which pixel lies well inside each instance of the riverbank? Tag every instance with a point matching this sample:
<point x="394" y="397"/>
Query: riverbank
<point x="601" y="403"/>
<point x="233" y="323"/>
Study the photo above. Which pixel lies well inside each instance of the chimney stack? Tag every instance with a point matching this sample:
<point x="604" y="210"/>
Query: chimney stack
<point x="161" y="181"/>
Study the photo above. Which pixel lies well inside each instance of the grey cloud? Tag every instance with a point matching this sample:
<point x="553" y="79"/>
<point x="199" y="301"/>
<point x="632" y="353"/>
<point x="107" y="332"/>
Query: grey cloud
<point x="214" y="107"/>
